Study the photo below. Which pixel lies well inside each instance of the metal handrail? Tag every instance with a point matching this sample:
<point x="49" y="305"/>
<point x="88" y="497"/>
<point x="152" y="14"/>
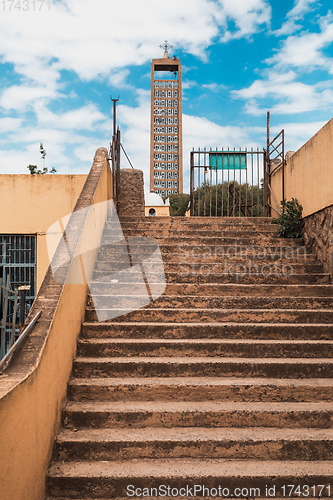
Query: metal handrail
<point x="5" y="360"/>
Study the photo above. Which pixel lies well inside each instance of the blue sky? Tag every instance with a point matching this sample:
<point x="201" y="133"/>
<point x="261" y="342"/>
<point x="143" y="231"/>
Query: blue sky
<point x="60" y="60"/>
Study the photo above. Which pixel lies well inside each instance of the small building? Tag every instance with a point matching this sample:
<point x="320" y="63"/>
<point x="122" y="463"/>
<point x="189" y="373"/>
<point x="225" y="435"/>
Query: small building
<point x="29" y="205"/>
<point x="155" y="206"/>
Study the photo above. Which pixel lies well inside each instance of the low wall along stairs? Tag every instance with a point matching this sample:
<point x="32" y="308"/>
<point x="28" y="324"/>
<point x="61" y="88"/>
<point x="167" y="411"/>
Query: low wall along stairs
<point x="225" y="380"/>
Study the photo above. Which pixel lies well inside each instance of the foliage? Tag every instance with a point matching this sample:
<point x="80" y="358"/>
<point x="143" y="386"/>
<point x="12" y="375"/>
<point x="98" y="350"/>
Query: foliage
<point x="33" y="168"/>
<point x="217" y="200"/>
<point x="290" y="220"/>
<point x="178" y="204"/>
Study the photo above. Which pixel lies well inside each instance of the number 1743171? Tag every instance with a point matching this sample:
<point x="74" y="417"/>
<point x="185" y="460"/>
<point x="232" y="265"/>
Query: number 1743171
<point x="25" y="5"/>
<point x="317" y="491"/>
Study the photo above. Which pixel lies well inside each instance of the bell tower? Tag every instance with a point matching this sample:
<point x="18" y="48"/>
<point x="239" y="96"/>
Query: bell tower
<point x="166" y="147"/>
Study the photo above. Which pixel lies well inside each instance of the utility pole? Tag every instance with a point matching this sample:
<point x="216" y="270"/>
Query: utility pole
<point x="114" y="115"/>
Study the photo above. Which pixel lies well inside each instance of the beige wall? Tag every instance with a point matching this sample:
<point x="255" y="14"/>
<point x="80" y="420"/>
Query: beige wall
<point x="33" y="202"/>
<point x="160" y="211"/>
<point x="309" y="174"/>
<point x="33" y="387"/>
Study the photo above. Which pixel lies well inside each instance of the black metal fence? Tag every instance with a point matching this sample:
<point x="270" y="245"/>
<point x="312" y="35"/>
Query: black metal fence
<point x="17" y="284"/>
<point x="227" y="183"/>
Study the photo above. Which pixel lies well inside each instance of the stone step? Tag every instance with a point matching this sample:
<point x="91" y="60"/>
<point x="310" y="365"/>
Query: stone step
<point x="208" y="414"/>
<point x="257" y="240"/>
<point x="223" y="302"/>
<point x="227" y="246"/>
<point x="178" y="366"/>
<point x="140" y="497"/>
<point x="205" y="221"/>
<point x="162" y="232"/>
<point x="200" y="389"/>
<point x="230" y="274"/>
<point x="203" y="315"/>
<point x="161" y="497"/>
<point x="221" y="330"/>
<point x="117" y="479"/>
<point x="205" y="347"/>
<point x="260" y="443"/>
<point x="206" y="255"/>
<point x="185" y="268"/>
<point x="225" y="289"/>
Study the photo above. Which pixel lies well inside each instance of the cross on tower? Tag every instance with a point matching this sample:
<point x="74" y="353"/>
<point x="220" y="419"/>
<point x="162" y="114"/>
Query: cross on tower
<point x="166" y="46"/>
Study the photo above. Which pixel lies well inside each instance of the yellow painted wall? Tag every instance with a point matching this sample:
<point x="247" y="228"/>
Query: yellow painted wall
<point x="33" y="202"/>
<point x="33" y="387"/>
<point x="160" y="211"/>
<point x="309" y="173"/>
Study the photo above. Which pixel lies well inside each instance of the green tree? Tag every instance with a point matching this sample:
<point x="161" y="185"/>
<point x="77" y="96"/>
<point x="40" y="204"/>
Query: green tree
<point x="34" y="169"/>
<point x="223" y="200"/>
<point x="178" y="204"/>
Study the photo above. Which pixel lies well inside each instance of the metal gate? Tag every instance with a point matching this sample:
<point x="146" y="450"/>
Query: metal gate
<point x="227" y="183"/>
<point x="275" y="160"/>
<point x="18" y="260"/>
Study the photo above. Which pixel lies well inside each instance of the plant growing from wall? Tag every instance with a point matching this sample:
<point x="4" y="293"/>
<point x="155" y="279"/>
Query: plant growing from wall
<point x="33" y="168"/>
<point x="290" y="220"/>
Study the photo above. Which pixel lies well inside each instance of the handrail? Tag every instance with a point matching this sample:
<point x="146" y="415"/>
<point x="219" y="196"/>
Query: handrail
<point x="5" y="360"/>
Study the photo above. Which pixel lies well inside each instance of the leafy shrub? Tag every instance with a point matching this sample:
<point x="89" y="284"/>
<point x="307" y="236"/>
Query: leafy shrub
<point x="290" y="220"/>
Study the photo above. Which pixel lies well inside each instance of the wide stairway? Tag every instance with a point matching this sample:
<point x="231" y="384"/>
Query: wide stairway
<point x="225" y="381"/>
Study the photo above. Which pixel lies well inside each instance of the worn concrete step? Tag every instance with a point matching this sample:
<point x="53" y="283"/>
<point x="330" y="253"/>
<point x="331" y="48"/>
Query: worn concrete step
<point x="163" y="496"/>
<point x="200" y="389"/>
<point x="227" y="246"/>
<point x="203" y="315"/>
<point x="193" y="223"/>
<point x="206" y="347"/>
<point x="231" y="274"/>
<point x="120" y="478"/>
<point x="224" y="289"/>
<point x="202" y="367"/>
<point x="228" y="230"/>
<point x="172" y="330"/>
<point x="223" y="302"/>
<point x="210" y="255"/>
<point x="209" y="414"/>
<point x="185" y="268"/>
<point x="259" y="443"/>
<point x="239" y="240"/>
<point x="205" y="221"/>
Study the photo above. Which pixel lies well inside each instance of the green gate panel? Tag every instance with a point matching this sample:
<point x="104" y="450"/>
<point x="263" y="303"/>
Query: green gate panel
<point x="229" y="160"/>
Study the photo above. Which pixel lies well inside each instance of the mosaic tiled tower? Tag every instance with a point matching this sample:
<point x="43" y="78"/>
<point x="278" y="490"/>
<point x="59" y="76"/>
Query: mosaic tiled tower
<point x="166" y="155"/>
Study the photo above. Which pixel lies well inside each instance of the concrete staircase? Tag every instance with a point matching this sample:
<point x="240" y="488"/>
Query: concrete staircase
<point x="225" y="380"/>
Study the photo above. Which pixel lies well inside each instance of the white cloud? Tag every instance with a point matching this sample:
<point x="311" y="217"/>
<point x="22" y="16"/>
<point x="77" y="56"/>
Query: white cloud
<point x="93" y="37"/>
<point x="248" y="16"/>
<point x="23" y="97"/>
<point x="297" y="134"/>
<point x="297" y="13"/>
<point x="84" y="118"/>
<point x="10" y="124"/>
<point x="304" y="50"/>
<point x="292" y="96"/>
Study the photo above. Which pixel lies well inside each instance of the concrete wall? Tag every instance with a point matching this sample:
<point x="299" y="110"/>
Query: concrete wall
<point x="33" y="202"/>
<point x="318" y="235"/>
<point x="132" y="197"/>
<point x="309" y="178"/>
<point x="309" y="174"/>
<point x="33" y="387"/>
